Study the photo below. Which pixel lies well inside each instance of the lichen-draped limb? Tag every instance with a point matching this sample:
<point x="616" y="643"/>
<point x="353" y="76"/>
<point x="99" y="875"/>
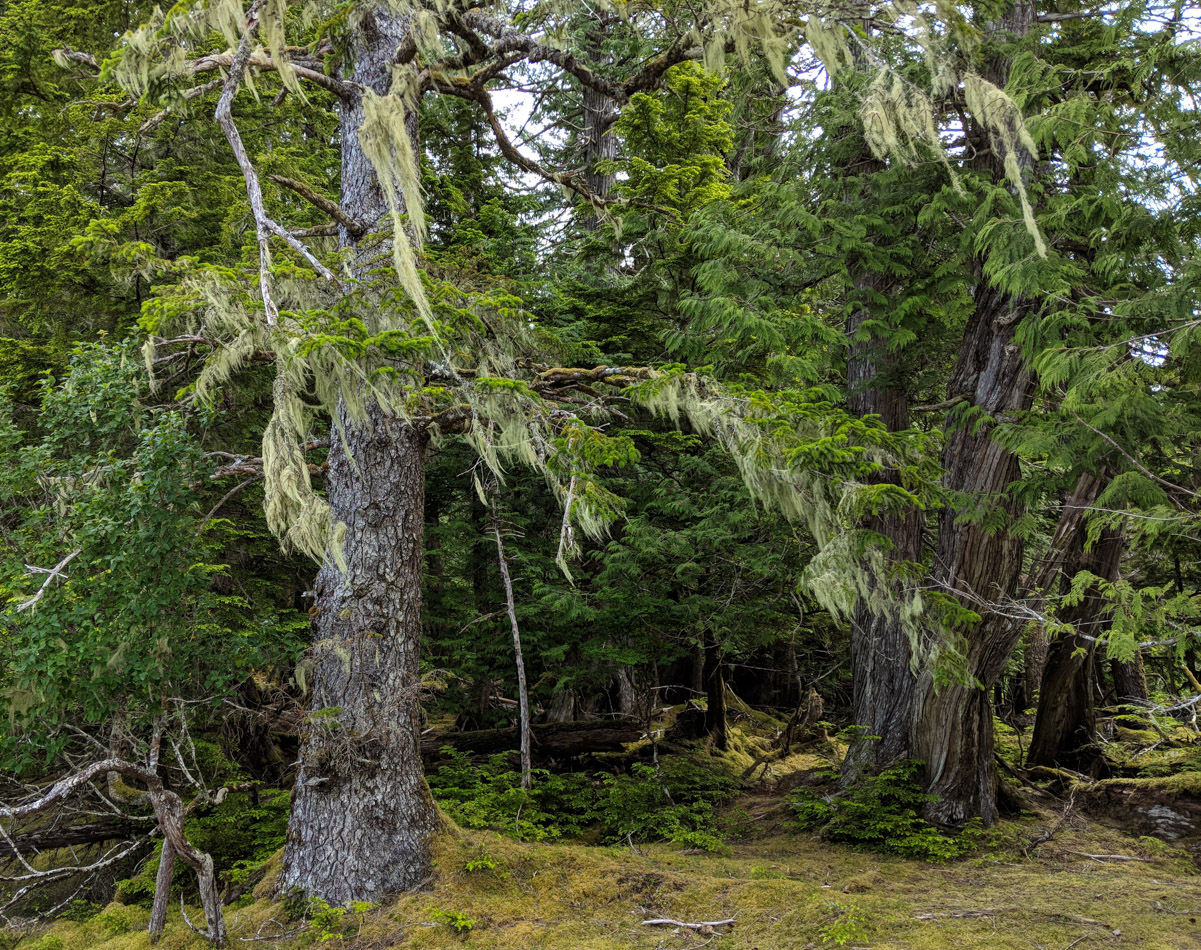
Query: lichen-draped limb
<point x="810" y="460"/>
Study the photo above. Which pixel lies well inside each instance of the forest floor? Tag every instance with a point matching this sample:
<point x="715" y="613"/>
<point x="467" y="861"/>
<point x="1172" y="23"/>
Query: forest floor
<point x="1088" y="886"/>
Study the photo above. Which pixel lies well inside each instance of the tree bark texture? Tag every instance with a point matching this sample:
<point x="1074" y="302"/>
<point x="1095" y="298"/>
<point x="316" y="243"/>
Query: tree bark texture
<point x="1065" y="727"/>
<point x="881" y="654"/>
<point x="953" y="726"/>
<point x="598" y="140"/>
<point x="362" y="817"/>
<point x="1041" y="578"/>
<point x="949" y="726"/>
<point x="1129" y="679"/>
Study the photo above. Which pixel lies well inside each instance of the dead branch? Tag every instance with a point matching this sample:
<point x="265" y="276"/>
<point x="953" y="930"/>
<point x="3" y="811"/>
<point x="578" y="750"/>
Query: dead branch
<point x="1106" y="857"/>
<point x="511" y="605"/>
<point x="168" y="810"/>
<point x="331" y="208"/>
<point x="264" y="226"/>
<point x="51" y="573"/>
<point x="703" y="926"/>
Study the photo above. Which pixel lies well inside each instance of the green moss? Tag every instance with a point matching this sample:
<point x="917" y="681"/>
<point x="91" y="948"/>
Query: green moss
<point x="786" y="892"/>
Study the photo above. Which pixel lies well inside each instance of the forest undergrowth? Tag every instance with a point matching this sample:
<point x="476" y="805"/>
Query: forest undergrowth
<point x="734" y="849"/>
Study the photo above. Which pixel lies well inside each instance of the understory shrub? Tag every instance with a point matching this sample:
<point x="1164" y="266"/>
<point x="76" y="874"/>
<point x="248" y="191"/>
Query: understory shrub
<point x="881" y="813"/>
<point x="674" y="802"/>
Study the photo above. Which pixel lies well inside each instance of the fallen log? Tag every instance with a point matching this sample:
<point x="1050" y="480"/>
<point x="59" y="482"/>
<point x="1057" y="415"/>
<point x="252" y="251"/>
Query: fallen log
<point x="68" y="836"/>
<point x="550" y="740"/>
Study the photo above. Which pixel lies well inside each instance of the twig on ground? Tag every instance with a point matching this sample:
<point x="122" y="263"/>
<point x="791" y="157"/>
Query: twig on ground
<point x="704" y="926"/>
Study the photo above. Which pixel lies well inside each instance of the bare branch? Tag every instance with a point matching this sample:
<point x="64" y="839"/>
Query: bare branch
<point x="332" y="208"/>
<point x="264" y="226"/>
<point x="50" y="573"/>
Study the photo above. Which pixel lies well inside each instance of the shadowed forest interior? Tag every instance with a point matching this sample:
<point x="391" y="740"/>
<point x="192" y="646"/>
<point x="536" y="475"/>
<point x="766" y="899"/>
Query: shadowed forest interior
<point x="618" y="474"/>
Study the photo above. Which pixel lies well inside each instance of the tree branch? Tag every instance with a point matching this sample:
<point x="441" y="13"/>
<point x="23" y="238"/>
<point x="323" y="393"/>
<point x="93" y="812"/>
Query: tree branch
<point x="264" y="226"/>
<point x="51" y="573"/>
<point x="331" y="208"/>
<point x="1137" y="464"/>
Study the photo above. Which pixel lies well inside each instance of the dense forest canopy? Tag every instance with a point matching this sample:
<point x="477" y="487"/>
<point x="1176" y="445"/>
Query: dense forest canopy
<point x="377" y="370"/>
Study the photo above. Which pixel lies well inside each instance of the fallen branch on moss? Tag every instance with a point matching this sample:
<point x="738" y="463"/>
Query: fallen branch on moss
<point x="703" y="926"/>
<point x="1106" y="857"/>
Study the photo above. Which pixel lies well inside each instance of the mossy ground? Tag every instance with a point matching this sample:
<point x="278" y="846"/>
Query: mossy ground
<point x="785" y="891"/>
<point x="1087" y="885"/>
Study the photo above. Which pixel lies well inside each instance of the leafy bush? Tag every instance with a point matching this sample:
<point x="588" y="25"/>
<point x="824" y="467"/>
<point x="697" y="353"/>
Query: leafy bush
<point x="491" y="796"/>
<point x="482" y="861"/>
<point x="881" y="813"/>
<point x="675" y="803"/>
<point x="113" y="922"/>
<point x="333" y="923"/>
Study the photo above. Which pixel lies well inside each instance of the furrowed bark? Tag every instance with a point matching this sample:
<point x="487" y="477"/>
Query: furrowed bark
<point x="953" y="733"/>
<point x="881" y="654"/>
<point x="362" y="817"/>
<point x="1040" y="579"/>
<point x="599" y="142"/>
<point x="883" y="682"/>
<point x="1129" y="679"/>
<point x="1065" y="728"/>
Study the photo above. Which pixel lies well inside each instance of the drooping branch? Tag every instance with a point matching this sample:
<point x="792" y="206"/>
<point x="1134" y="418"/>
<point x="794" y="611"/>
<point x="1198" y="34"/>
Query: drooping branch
<point x="1171" y="486"/>
<point x="222" y="62"/>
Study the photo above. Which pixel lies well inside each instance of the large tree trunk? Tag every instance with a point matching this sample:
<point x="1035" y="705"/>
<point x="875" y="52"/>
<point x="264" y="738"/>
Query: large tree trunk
<point x="953" y="729"/>
<point x="881" y="653"/>
<point x="1042" y="576"/>
<point x="715" y="697"/>
<point x="980" y="566"/>
<point x="597" y="138"/>
<point x="1065" y="727"/>
<point x="362" y="817"/>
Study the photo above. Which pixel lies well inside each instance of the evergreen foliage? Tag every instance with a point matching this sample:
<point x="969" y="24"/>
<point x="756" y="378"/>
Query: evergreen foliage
<point x="641" y="269"/>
